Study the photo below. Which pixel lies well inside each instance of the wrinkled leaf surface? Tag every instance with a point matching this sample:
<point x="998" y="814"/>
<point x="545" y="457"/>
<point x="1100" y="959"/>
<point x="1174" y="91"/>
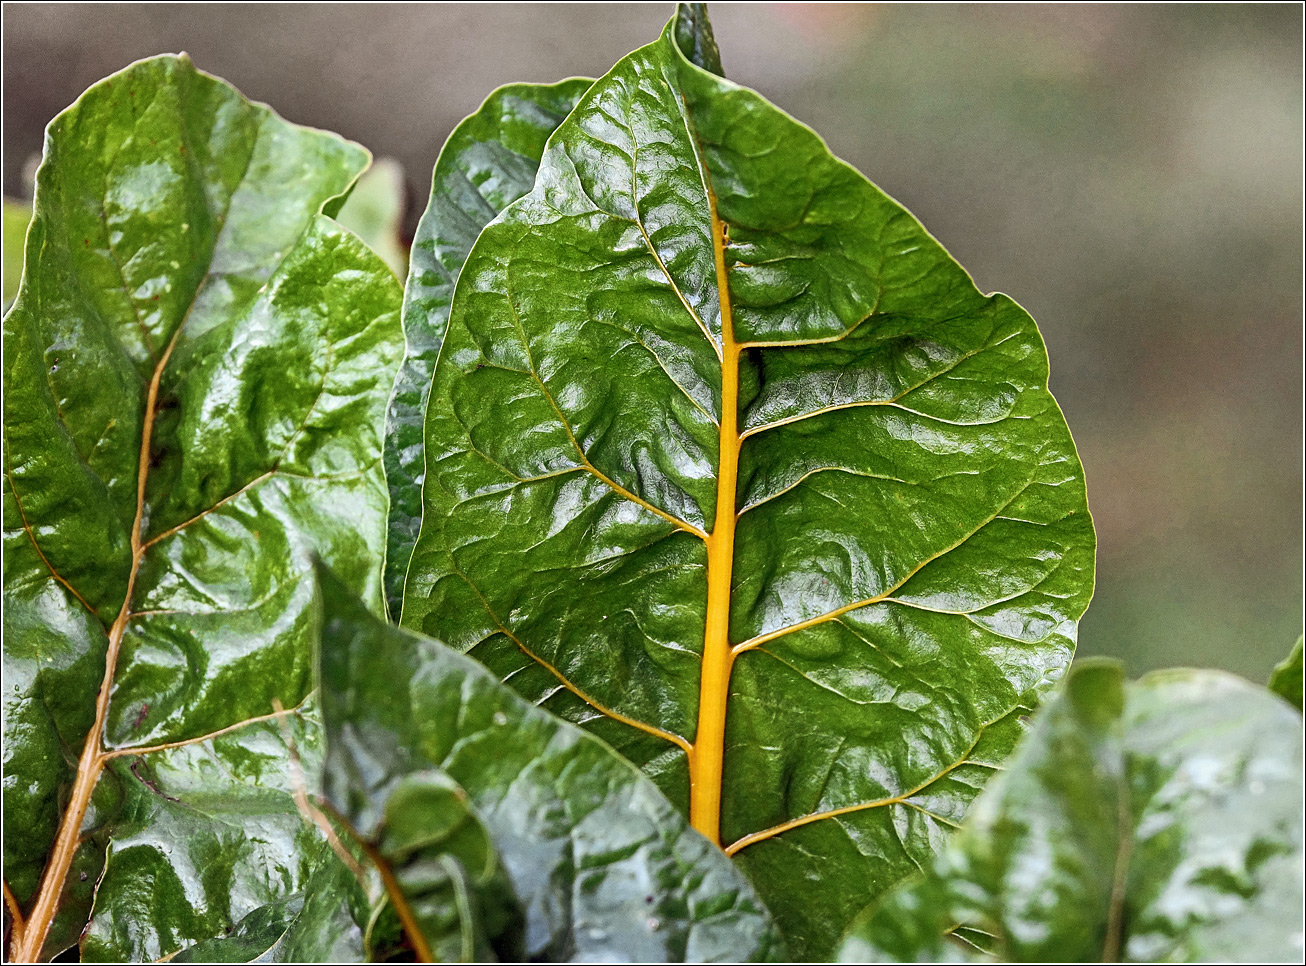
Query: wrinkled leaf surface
<point x="1153" y="822"/>
<point x="488" y="162"/>
<point x="316" y="925"/>
<point x="210" y="836"/>
<point x="195" y="375"/>
<point x="729" y="461"/>
<point x="600" y="864"/>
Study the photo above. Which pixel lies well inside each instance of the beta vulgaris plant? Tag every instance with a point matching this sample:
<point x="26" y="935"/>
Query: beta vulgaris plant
<point x="660" y="576"/>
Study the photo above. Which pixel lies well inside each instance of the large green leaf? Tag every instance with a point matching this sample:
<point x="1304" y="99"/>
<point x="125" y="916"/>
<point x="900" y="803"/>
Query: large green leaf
<point x="488" y="162"/>
<point x="432" y="761"/>
<point x="195" y="375"/>
<point x="1153" y="822"/>
<point x="1286" y="681"/>
<point x="727" y="459"/>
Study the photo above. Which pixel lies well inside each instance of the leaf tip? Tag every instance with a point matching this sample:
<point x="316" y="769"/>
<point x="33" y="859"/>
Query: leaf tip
<point x="694" y="38"/>
<point x="1095" y="687"/>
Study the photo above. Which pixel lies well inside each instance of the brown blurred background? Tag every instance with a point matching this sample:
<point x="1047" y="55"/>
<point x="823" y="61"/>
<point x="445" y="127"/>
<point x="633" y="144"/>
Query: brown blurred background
<point x="1131" y="174"/>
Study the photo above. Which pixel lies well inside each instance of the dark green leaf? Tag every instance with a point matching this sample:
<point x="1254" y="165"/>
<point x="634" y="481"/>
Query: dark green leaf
<point x="718" y="427"/>
<point x="1286" y="681"/>
<point x="313" y="926"/>
<point x="195" y="375"/>
<point x="488" y="162"/>
<point x="600" y="864"/>
<point x="209" y="833"/>
<point x="1153" y="822"/>
<point x="694" y="35"/>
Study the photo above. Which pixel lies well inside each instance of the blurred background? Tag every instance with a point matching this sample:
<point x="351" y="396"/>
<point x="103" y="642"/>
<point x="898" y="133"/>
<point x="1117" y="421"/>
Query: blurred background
<point x="1131" y="174"/>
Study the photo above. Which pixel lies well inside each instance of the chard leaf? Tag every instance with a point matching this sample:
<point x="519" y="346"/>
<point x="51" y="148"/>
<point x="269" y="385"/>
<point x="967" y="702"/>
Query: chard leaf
<point x="488" y="162"/>
<point x="195" y="375"/>
<point x="1286" y="681"/>
<point x="598" y="864"/>
<point x="730" y="462"/>
<point x="1153" y="822"/>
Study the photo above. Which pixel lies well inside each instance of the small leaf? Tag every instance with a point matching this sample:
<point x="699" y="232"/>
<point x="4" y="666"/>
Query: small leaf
<point x="599" y="864"/>
<point x="1286" y="681"/>
<point x="1153" y="822"/>
<point x="488" y="162"/>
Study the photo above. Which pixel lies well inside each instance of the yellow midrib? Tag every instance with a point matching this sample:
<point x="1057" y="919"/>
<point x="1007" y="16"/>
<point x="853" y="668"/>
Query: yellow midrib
<point x="707" y="757"/>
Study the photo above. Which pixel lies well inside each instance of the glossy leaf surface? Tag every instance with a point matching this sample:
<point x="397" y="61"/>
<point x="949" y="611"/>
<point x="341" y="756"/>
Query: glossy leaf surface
<point x="210" y="839"/>
<point x="195" y="373"/>
<point x="1153" y="822"/>
<point x="600" y="865"/>
<point x="1286" y="681"/>
<point x="695" y="38"/>
<point x="316" y="925"/>
<point x="730" y="462"/>
<point x="488" y="162"/>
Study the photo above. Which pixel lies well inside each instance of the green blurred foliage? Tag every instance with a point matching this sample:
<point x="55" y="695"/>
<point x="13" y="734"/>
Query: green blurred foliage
<point x="374" y="212"/>
<point x="16" y="216"/>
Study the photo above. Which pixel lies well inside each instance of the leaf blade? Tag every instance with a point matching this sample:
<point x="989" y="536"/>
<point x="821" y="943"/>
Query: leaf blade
<point x="164" y="408"/>
<point x="598" y="861"/>
<point x="702" y="367"/>
<point x="488" y="162"/>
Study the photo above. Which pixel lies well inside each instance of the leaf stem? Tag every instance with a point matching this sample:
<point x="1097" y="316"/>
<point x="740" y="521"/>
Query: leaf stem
<point x="306" y="808"/>
<point x="706" y="761"/>
<point x="1115" y="924"/>
<point x="17" y="926"/>
<point x="403" y="910"/>
<point x="93" y="757"/>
